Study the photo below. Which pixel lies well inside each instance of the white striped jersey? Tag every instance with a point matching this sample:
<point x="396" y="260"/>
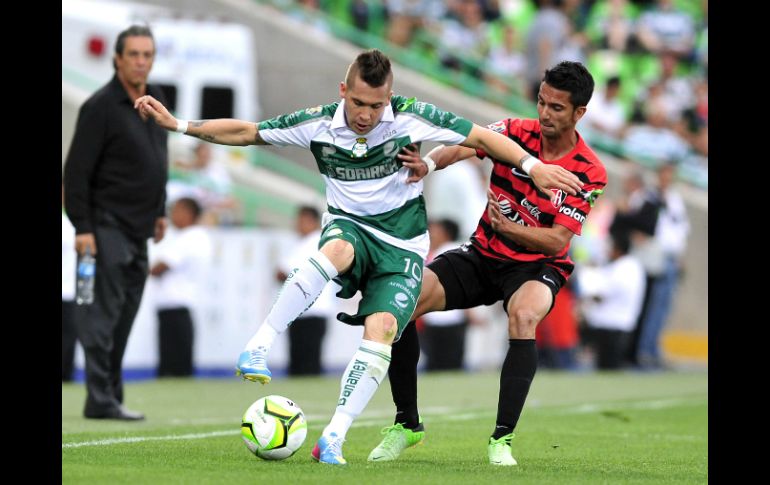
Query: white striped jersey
<point x="365" y="181"/>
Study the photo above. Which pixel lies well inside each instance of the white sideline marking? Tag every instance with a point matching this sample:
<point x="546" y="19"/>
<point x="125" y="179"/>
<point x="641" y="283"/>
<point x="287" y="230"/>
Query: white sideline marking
<point x="438" y="414"/>
<point x="138" y="439"/>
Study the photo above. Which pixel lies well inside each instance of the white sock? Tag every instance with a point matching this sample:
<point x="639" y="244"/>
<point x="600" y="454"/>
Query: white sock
<point x="263" y="339"/>
<point x="299" y="292"/>
<point x="360" y="381"/>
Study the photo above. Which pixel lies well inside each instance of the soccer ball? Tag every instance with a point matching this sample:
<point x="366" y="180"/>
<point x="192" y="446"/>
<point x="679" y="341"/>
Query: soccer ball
<point x="273" y="428"/>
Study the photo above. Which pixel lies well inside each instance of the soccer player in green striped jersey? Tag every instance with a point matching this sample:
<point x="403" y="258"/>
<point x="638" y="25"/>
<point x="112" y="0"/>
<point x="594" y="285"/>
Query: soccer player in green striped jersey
<point x="374" y="235"/>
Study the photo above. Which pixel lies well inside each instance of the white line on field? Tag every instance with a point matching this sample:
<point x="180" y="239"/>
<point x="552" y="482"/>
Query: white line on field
<point x="437" y="414"/>
<point x="138" y="439"/>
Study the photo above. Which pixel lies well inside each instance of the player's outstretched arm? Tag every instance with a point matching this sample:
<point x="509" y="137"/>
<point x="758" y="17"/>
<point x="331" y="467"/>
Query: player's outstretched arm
<point x="221" y="131"/>
<point x="545" y="176"/>
<point x="436" y="159"/>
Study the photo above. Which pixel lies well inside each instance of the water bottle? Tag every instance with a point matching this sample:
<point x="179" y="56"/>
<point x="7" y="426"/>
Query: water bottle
<point x="85" y="279"/>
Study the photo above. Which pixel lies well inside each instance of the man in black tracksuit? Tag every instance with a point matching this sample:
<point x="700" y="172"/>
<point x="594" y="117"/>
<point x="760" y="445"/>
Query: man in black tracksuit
<point x="115" y="178"/>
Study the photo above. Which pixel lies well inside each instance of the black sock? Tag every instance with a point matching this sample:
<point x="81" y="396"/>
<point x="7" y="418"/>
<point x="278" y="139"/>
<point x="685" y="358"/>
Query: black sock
<point x="515" y="378"/>
<point x="402" y="375"/>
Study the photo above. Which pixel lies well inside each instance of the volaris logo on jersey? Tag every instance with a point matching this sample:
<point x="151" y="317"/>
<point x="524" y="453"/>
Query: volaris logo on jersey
<point x="360" y="148"/>
<point x="573" y="212"/>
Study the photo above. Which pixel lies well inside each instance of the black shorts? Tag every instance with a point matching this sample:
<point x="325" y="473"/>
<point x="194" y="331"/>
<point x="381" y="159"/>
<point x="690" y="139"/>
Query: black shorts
<point x="470" y="279"/>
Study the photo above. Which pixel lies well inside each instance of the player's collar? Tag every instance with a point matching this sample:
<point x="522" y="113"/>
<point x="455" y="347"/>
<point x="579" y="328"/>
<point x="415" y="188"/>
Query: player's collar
<point x="387" y="115"/>
<point x="338" y="121"/>
<point x="339" y="117"/>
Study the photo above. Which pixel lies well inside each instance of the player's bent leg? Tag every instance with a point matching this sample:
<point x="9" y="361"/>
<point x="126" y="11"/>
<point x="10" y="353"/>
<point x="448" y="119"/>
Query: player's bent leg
<point x="381" y="327"/>
<point x="526" y="307"/>
<point x="299" y="292"/>
<point x="340" y="252"/>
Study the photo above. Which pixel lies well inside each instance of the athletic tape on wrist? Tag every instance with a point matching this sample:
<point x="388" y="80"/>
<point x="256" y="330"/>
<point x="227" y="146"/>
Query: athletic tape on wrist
<point x="430" y="162"/>
<point x="181" y="126"/>
<point x="528" y="163"/>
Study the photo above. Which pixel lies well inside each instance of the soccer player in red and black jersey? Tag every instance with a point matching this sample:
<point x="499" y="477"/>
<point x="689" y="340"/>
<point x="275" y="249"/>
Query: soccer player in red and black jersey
<point x="517" y="255"/>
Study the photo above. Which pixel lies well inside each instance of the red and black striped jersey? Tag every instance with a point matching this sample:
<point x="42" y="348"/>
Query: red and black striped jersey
<point x="522" y="203"/>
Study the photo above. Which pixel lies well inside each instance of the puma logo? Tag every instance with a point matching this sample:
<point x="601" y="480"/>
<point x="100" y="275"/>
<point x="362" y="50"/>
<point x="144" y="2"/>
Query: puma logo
<point x="307" y="295"/>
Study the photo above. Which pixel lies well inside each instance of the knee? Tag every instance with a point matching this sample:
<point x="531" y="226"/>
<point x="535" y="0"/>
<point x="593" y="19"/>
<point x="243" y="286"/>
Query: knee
<point x="522" y="323"/>
<point x="389" y="326"/>
<point x="381" y="327"/>
<point x="339" y="252"/>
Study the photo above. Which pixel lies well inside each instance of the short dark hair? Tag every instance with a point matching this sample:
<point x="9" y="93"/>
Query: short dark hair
<point x="574" y="78"/>
<point x="372" y="66"/>
<point x="133" y="31"/>
<point x="309" y="210"/>
<point x="192" y="205"/>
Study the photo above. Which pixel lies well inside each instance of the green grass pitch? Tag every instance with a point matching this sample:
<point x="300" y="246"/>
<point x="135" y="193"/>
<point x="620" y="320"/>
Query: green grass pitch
<point x="613" y="428"/>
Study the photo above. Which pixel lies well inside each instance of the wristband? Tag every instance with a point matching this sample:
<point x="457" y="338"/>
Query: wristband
<point x="429" y="160"/>
<point x="181" y="126"/>
<point x="431" y="164"/>
<point x="528" y="163"/>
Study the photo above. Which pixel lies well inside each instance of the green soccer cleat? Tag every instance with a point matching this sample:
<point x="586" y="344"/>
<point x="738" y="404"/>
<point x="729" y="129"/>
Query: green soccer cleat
<point x="397" y="439"/>
<point x="500" y="451"/>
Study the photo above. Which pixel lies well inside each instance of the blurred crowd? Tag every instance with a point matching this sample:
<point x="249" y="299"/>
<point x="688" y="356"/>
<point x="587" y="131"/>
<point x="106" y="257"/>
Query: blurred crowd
<point x="649" y="59"/>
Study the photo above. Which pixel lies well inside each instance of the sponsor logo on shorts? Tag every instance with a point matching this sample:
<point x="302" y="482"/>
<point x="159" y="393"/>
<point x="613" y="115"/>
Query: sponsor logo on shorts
<point x="402" y="300"/>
